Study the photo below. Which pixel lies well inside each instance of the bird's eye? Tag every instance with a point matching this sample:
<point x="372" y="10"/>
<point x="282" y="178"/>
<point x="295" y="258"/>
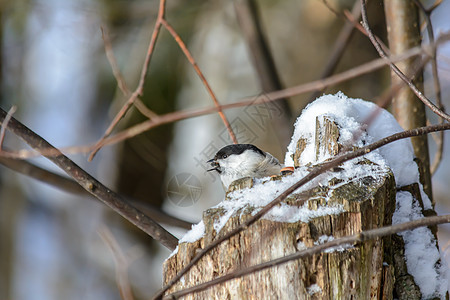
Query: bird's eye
<point x="225" y="156"/>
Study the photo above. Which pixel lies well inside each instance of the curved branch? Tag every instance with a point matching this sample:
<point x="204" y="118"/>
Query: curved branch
<point x="70" y="186"/>
<point x="273" y="96"/>
<point x="92" y="185"/>
<point x="132" y="97"/>
<point x="396" y="70"/>
<point x="191" y="60"/>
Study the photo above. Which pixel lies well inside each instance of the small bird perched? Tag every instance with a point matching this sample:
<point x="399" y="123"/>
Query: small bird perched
<point x="243" y="160"/>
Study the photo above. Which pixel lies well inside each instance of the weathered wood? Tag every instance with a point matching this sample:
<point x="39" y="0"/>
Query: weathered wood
<point x="327" y="136"/>
<point x="301" y="145"/>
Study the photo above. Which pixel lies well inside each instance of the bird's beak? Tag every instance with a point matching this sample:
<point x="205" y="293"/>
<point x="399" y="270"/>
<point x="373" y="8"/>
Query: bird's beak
<point x="215" y="165"/>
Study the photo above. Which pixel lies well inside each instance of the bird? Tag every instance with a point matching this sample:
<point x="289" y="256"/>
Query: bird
<point x="237" y="161"/>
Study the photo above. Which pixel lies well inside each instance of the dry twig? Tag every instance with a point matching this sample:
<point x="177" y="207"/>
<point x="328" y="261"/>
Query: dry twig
<point x="121" y="262"/>
<point x="140" y="88"/>
<point x="273" y="96"/>
<point x="133" y="98"/>
<point x="191" y="60"/>
<point x="397" y="71"/>
<point x="11" y="111"/>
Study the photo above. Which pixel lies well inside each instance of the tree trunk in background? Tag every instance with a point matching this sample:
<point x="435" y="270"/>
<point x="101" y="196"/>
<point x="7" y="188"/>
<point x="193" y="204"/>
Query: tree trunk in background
<point x="11" y="210"/>
<point x="403" y="27"/>
<point x="250" y="23"/>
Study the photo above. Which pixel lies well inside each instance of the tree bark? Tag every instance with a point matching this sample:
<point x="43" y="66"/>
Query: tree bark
<point x="402" y="19"/>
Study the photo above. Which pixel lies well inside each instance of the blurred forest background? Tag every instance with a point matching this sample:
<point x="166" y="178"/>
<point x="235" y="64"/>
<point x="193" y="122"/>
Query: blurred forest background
<point x="56" y="245"/>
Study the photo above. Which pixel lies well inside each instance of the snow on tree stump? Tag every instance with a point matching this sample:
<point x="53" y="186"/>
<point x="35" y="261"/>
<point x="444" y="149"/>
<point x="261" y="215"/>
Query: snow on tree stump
<point x="361" y="271"/>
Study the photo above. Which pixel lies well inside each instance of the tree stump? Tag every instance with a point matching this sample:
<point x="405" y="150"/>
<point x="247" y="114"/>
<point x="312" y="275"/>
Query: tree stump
<point x="361" y="271"/>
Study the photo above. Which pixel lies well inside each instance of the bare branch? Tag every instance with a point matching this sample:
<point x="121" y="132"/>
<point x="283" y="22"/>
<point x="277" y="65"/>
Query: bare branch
<point x="121" y="263"/>
<point x="434" y="6"/>
<point x="191" y="60"/>
<point x="342" y="41"/>
<point x="68" y="185"/>
<point x="11" y="111"/>
<point x="113" y="62"/>
<point x="140" y="88"/>
<point x="93" y="186"/>
<point x="273" y="96"/>
<point x="397" y="71"/>
<point x="134" y="97"/>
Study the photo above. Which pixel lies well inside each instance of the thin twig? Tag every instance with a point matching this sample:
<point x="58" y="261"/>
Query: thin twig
<point x="396" y="70"/>
<point x="134" y="97"/>
<point x="361" y="29"/>
<point x="140" y="88"/>
<point x="347" y="240"/>
<point x="121" y="81"/>
<point x="92" y="185"/>
<point x="113" y="62"/>
<point x="435" y="5"/>
<point x="311" y="175"/>
<point x="11" y="111"/>
<point x="350" y="17"/>
<point x="386" y="98"/>
<point x="342" y="41"/>
<point x="191" y="60"/>
<point x="273" y="96"/>
<point x="121" y="263"/>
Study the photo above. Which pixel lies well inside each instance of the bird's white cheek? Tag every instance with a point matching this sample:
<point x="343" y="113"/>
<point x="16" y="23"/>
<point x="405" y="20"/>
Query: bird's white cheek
<point x="230" y="164"/>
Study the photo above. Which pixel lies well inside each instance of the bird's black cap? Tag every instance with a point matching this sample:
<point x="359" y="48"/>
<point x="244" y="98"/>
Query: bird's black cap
<point x="236" y="149"/>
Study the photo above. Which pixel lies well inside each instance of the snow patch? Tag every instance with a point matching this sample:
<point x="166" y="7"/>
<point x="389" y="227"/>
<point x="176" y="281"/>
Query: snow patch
<point x="422" y="255"/>
<point x="193" y="235"/>
<point x="313" y="289"/>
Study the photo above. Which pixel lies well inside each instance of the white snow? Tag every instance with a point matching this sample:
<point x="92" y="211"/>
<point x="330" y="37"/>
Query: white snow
<point x="327" y="238"/>
<point x="314" y="288"/>
<point x="197" y="232"/>
<point x="352" y="115"/>
<point x="421" y="252"/>
<point x="264" y="191"/>
<point x="301" y="246"/>
<point x="193" y="235"/>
